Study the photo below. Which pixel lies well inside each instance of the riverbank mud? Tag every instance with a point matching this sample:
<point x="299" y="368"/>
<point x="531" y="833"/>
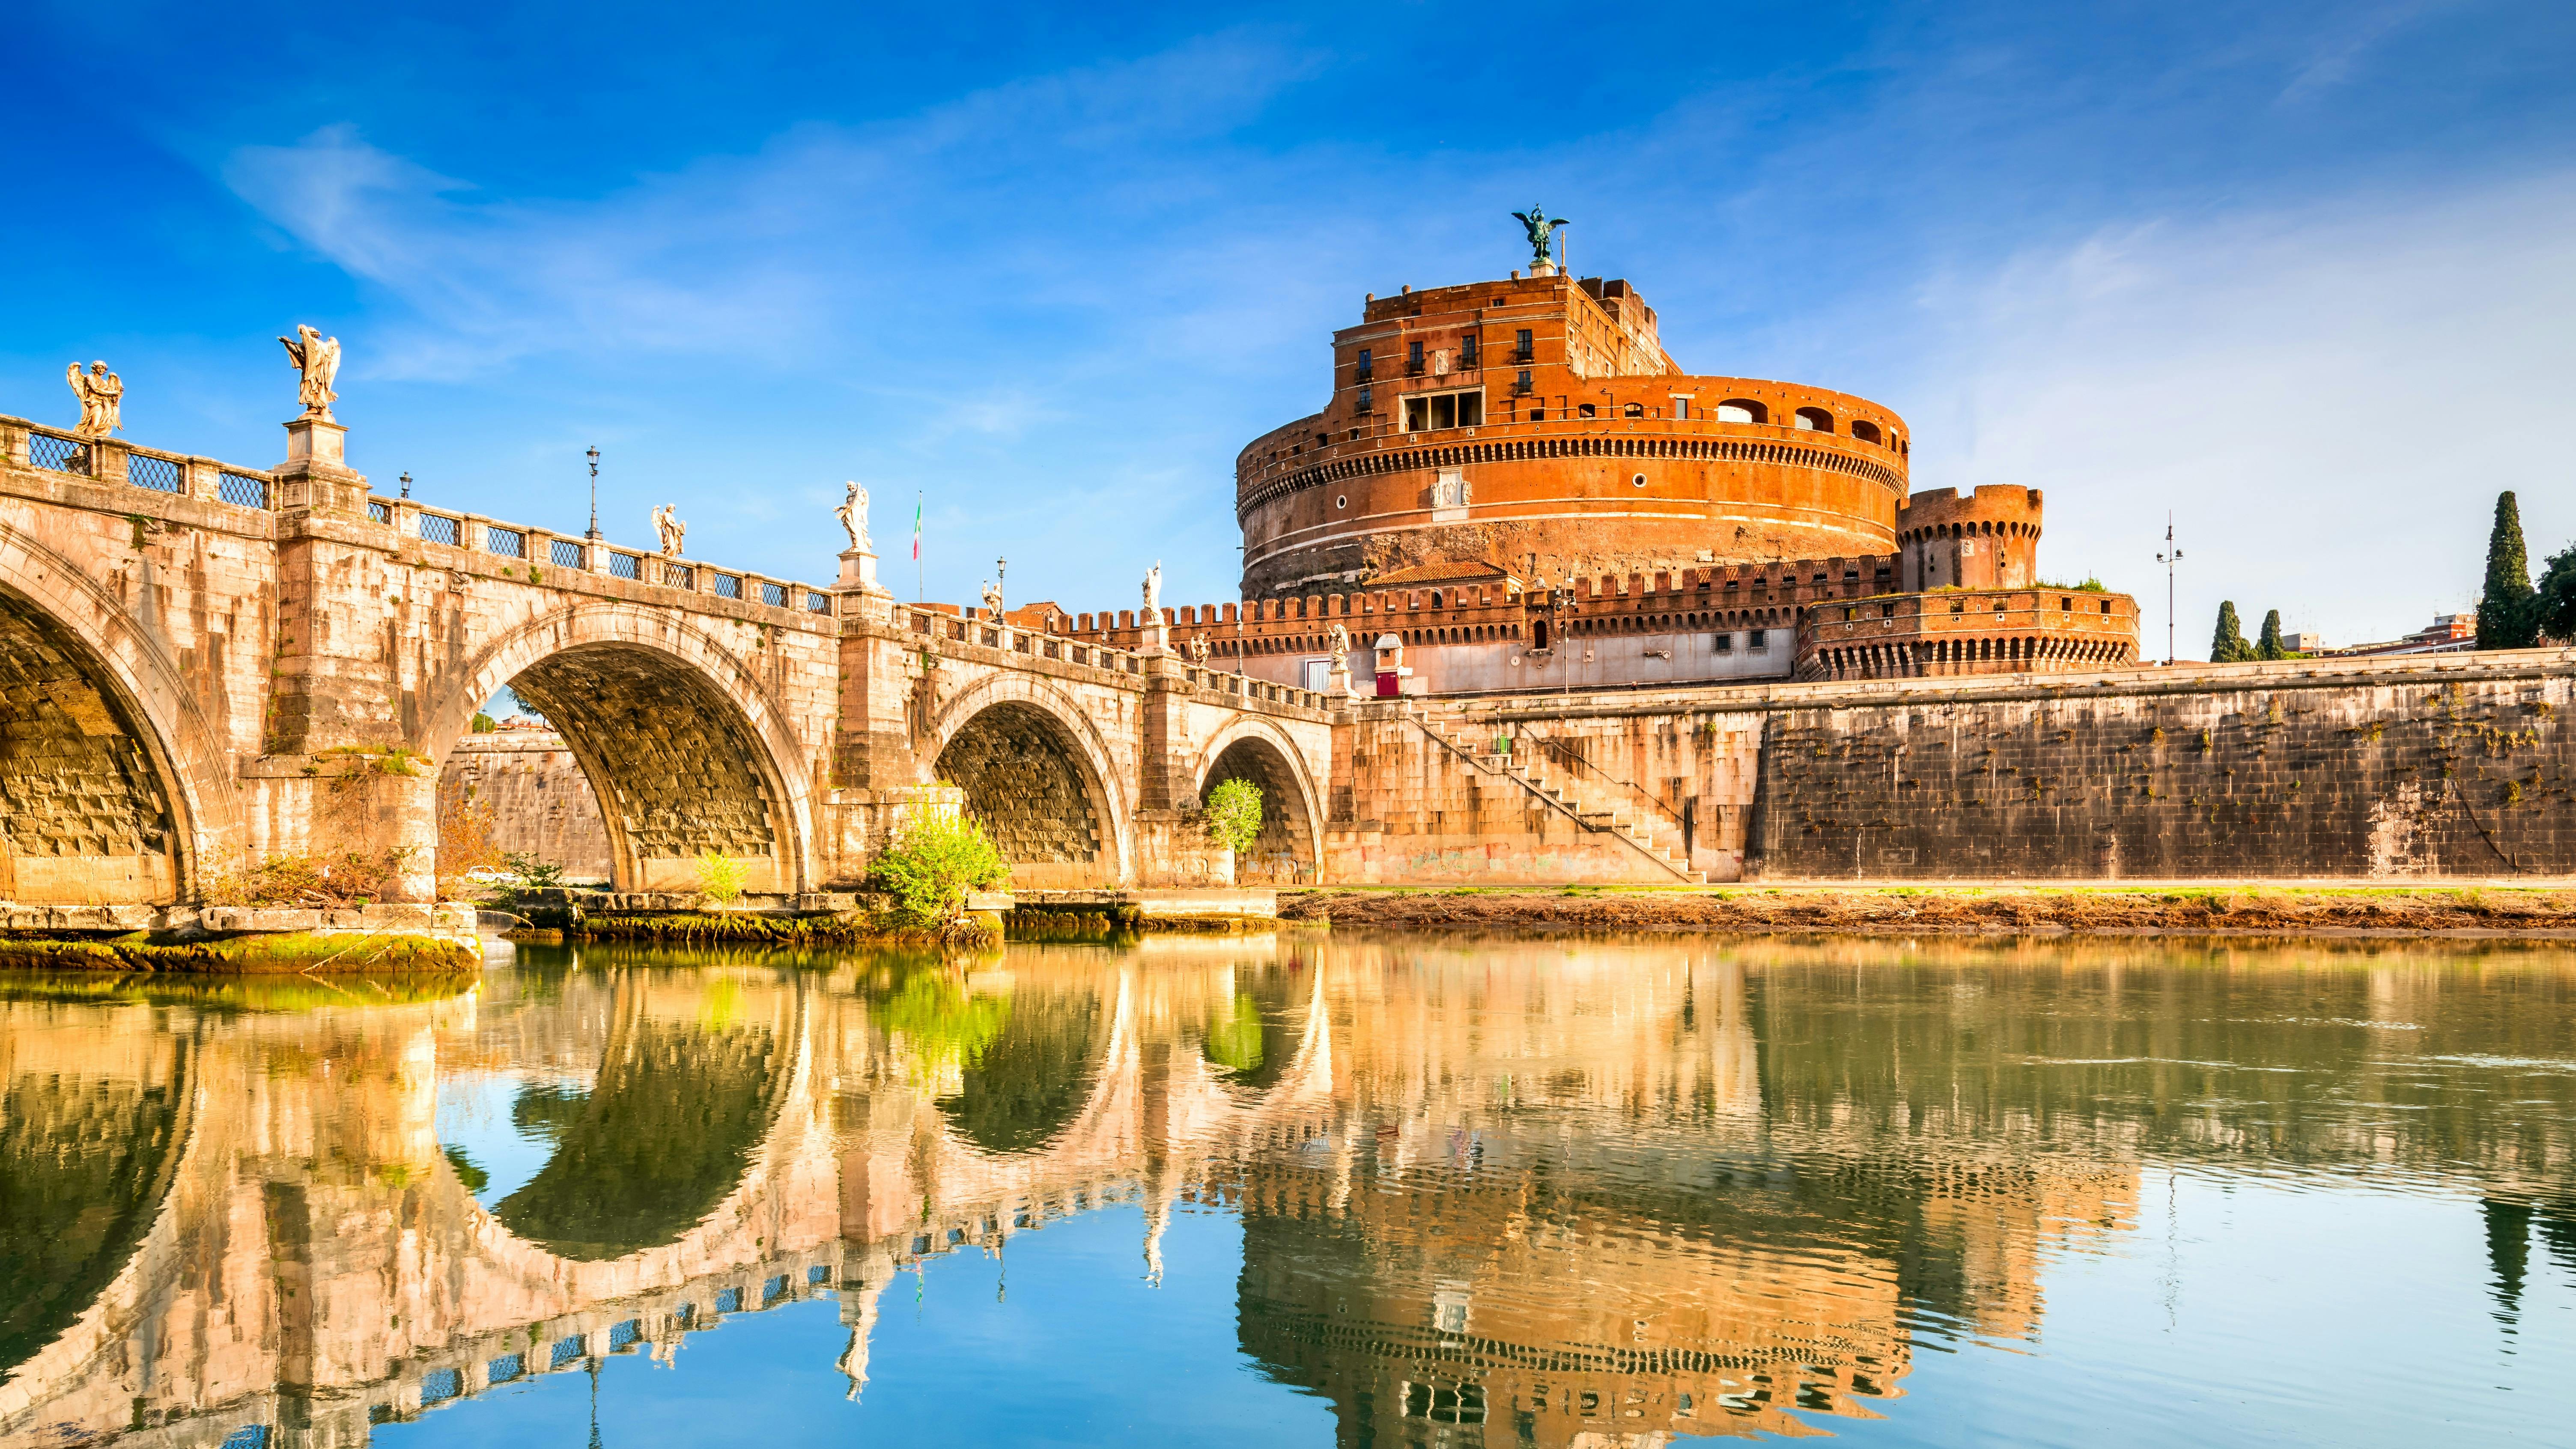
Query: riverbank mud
<point x="2264" y="910"/>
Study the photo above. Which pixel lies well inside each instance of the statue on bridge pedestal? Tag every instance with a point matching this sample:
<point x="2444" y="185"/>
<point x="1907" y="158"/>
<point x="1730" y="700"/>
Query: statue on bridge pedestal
<point x="993" y="602"/>
<point x="674" y="533"/>
<point x="317" y="358"/>
<point x="1199" y="649"/>
<point x="1154" y="593"/>
<point x="101" y="394"/>
<point x="1339" y="642"/>
<point x="853" y="514"/>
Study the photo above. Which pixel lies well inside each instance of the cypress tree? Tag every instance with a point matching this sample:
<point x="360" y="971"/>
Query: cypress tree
<point x="2268" y="645"/>
<point x="2227" y="646"/>
<point x="2505" y="610"/>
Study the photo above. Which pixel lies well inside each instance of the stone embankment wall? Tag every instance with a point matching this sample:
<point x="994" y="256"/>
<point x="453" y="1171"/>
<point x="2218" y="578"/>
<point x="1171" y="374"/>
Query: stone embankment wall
<point x="2278" y="770"/>
<point x="2406" y="769"/>
<point x="541" y="803"/>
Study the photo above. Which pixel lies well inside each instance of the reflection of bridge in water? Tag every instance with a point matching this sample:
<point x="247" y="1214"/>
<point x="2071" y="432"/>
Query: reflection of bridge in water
<point x="237" y="1219"/>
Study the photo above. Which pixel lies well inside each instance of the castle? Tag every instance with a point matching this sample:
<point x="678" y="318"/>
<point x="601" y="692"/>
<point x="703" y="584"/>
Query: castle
<point x="1513" y="486"/>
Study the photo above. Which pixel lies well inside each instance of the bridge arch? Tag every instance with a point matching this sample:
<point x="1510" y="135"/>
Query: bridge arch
<point x="100" y="718"/>
<point x="1291" y="843"/>
<point x="1039" y="775"/>
<point x="683" y="746"/>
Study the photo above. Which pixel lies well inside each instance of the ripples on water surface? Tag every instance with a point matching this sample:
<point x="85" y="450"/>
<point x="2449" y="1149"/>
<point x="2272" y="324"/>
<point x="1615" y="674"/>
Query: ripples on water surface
<point x="1355" y="1190"/>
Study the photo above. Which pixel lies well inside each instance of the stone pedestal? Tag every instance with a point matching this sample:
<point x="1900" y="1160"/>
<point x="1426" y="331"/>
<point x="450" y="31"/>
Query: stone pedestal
<point x="858" y="569"/>
<point x="1337" y="685"/>
<point x="316" y="474"/>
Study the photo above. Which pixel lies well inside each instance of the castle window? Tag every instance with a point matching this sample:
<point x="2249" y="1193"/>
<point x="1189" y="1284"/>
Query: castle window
<point x="1633" y="410"/>
<point x="1681" y="409"/>
<point x="1583" y="410"/>
<point x="1814" y="420"/>
<point x="1887" y="611"/>
<point x="1638" y="481"/>
<point x="1413" y="357"/>
<point x="1366" y="369"/>
<point x="1444" y="410"/>
<point x="1368" y="398"/>
<point x="1742" y="410"/>
<point x="1342" y="501"/>
<point x="1521" y="351"/>
<point x="2066" y="603"/>
<point x="1467" y="351"/>
<point x="1521" y="386"/>
<point x="1758" y="640"/>
<point x="1866" y="432"/>
<point x="1722" y="643"/>
<point x="2106" y="606"/>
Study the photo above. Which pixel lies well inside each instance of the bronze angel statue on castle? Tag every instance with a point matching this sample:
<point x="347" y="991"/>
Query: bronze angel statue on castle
<point x="1542" y="234"/>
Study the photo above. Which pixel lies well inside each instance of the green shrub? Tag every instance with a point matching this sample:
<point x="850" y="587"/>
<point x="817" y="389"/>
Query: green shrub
<point x="1234" y="814"/>
<point x="933" y="862"/>
<point x="484" y="724"/>
<point x="720" y="878"/>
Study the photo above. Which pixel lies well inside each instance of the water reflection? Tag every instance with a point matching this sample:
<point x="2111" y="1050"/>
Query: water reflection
<point x="1488" y="1192"/>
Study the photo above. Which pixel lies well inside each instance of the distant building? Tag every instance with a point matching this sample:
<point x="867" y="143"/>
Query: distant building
<point x="2448" y="633"/>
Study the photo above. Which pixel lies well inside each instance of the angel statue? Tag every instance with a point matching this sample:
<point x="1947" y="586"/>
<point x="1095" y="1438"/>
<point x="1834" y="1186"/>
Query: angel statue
<point x="101" y="393"/>
<point x="1340" y="644"/>
<point x="853" y="514"/>
<point x="1154" y="592"/>
<point x="674" y="533"/>
<point x="1199" y="649"/>
<point x="993" y="602"/>
<point x="318" y="358"/>
<point x="1542" y="234"/>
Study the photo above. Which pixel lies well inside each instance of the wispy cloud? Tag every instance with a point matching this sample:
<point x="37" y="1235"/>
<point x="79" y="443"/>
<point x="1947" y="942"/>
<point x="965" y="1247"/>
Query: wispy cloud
<point x="2328" y="397"/>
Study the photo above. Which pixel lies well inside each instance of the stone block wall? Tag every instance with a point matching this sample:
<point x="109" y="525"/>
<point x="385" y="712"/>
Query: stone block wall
<point x="2463" y="768"/>
<point x="540" y="800"/>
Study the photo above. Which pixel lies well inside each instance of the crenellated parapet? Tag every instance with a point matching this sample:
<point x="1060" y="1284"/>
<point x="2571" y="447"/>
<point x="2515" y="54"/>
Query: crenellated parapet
<point x="1987" y="538"/>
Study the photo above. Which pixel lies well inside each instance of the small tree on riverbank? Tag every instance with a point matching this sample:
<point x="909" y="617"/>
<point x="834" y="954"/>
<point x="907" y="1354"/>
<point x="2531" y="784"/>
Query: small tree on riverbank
<point x="933" y="862"/>
<point x="1234" y="814"/>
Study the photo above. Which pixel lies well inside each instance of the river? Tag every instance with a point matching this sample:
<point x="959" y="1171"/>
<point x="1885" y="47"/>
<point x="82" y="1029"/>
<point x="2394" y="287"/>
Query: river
<point x="1309" y="1189"/>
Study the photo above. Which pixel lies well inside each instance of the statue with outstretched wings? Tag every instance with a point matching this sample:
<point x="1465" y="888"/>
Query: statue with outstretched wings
<point x="318" y="358"/>
<point x="1542" y="233"/>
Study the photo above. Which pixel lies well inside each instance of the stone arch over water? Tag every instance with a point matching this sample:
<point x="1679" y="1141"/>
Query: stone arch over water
<point x="1287" y="850"/>
<point x="1037" y="776"/>
<point x="681" y="746"/>
<point x="114" y="787"/>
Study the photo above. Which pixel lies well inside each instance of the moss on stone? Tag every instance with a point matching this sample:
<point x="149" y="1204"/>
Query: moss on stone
<point x="853" y="927"/>
<point x="247" y="955"/>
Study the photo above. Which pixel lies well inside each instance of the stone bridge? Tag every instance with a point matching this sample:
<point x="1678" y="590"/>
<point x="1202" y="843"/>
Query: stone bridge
<point x="299" y="1249"/>
<point x="203" y="664"/>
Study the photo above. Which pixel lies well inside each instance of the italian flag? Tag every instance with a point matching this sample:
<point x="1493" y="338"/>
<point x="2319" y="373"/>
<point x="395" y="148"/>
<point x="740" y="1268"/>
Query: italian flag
<point x="916" y="528"/>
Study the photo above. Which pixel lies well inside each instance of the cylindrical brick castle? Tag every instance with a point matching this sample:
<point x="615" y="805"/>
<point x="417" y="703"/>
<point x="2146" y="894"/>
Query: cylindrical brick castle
<point x="1536" y="426"/>
<point x="1985" y="539"/>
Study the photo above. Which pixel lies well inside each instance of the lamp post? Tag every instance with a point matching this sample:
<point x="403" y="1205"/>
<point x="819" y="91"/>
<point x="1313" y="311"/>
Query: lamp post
<point x="406" y="485"/>
<point x="1560" y="602"/>
<point x="2170" y="557"/>
<point x="593" y="455"/>
<point x="1001" y="603"/>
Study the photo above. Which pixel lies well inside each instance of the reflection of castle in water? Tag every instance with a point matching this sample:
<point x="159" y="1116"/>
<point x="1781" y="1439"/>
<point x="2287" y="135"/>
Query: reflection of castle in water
<point x="1514" y="1195"/>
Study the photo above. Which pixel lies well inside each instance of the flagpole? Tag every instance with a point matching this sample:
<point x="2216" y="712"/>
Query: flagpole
<point x="920" y="593"/>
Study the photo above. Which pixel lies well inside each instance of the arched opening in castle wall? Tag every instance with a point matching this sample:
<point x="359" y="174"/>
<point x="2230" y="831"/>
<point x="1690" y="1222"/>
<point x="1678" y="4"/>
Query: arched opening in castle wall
<point x="86" y="814"/>
<point x="1026" y="782"/>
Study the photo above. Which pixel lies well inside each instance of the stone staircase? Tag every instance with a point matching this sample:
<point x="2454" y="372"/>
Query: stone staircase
<point x="1554" y="786"/>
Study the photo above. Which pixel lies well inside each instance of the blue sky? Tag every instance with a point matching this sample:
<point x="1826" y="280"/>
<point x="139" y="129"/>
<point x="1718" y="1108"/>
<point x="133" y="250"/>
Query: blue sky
<point x="2303" y="273"/>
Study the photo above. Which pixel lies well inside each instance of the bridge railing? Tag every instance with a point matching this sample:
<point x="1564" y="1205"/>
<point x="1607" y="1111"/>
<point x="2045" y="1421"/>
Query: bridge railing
<point x="940" y="624"/>
<point x="541" y="549"/>
<point x="114" y="460"/>
<point x="46" y="449"/>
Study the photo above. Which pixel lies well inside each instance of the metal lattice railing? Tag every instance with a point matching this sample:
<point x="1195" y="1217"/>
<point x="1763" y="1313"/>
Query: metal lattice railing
<point x="728" y="586"/>
<point x="161" y="474"/>
<point x="507" y="542"/>
<point x="241" y="490"/>
<point x="379" y="511"/>
<point x="438" y="528"/>
<point x="679" y="576"/>
<point x="61" y="455"/>
<point x="625" y="566"/>
<point x="774" y="595"/>
<point x="817" y="603"/>
<point x="566" y="554"/>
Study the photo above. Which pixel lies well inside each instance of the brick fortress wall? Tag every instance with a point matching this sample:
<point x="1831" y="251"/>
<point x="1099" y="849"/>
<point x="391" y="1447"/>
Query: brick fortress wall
<point x="1537" y="424"/>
